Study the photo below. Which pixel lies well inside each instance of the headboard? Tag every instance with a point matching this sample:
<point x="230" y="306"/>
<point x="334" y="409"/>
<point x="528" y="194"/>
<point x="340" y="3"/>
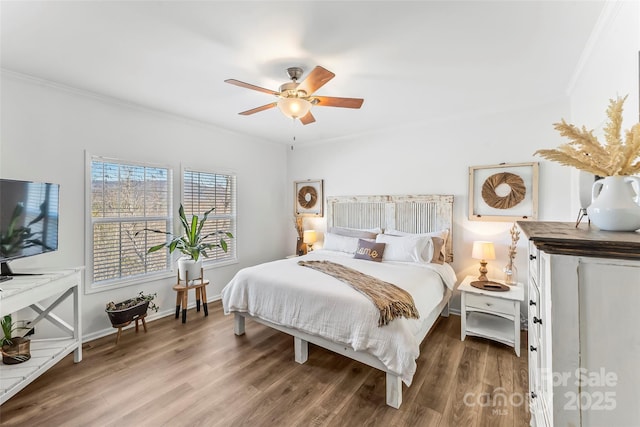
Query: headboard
<point x="413" y="214"/>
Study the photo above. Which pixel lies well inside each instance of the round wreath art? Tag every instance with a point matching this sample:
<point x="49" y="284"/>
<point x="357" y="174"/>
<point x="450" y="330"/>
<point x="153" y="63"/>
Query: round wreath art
<point x="515" y="196"/>
<point x="307" y="197"/>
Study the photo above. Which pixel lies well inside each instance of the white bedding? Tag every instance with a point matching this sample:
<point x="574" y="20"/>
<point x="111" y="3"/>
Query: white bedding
<point x="287" y="294"/>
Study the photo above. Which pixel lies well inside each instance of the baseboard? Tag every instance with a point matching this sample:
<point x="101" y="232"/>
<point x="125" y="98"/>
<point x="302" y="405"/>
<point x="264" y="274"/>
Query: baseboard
<point x="150" y="318"/>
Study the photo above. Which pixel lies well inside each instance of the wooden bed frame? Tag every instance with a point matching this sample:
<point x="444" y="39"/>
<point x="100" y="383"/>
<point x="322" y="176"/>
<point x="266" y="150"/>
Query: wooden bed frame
<point x="416" y="214"/>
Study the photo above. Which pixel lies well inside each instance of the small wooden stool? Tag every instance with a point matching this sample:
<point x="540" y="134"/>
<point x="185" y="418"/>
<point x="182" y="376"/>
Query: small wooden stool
<point x="144" y="325"/>
<point x="182" y="292"/>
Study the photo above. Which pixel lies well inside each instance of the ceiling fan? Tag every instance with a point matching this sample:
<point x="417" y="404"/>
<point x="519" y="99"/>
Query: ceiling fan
<point x="296" y="99"/>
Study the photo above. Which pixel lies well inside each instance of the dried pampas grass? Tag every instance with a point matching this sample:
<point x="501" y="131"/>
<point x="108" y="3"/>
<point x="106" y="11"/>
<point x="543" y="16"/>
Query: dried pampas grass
<point x="585" y="152"/>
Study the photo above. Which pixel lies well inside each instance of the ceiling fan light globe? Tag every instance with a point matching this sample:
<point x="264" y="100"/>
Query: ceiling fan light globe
<point x="294" y="108"/>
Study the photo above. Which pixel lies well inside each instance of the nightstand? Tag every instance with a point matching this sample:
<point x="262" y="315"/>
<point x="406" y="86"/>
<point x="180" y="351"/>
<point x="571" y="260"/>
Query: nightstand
<point x="491" y="314"/>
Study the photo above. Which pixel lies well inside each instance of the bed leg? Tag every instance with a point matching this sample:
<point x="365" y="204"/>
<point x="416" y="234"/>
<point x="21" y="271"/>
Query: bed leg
<point x="394" y="390"/>
<point x="238" y="324"/>
<point x="301" y="349"/>
<point x="445" y="311"/>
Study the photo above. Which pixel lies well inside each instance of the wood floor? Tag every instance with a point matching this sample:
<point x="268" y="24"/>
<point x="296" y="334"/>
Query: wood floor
<point x="200" y="374"/>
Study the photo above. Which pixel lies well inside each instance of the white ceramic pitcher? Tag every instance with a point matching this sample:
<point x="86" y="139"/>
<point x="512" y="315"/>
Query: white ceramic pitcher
<point x="615" y="203"/>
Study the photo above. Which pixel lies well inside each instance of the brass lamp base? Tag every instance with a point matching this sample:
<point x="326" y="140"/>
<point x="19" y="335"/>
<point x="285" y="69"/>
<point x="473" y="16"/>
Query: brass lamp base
<point x="483" y="271"/>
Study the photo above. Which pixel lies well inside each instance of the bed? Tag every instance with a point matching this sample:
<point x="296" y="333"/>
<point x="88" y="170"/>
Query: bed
<point x="318" y="308"/>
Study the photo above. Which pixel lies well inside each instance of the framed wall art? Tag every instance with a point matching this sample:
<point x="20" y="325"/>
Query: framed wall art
<point x="308" y="197"/>
<point x="503" y="192"/>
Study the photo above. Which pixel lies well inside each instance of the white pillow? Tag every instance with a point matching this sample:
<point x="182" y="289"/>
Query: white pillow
<point x="403" y="248"/>
<point x="335" y="242"/>
<point x="427" y="254"/>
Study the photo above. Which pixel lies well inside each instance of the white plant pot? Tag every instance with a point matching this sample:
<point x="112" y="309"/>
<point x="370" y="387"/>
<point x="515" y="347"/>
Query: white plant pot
<point x="188" y="269"/>
<point x="614" y="204"/>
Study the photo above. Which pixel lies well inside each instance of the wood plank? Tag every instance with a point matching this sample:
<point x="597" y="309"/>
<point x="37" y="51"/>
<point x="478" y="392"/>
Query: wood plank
<point x="209" y="376"/>
<point x="521" y="384"/>
<point x="564" y="238"/>
<point x="468" y="382"/>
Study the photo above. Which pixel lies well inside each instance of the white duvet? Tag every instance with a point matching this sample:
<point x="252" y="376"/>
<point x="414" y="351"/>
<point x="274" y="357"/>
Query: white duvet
<point x="284" y="293"/>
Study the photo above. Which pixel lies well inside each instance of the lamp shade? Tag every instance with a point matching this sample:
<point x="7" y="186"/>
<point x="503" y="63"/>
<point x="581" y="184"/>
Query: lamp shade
<point x="294" y="107"/>
<point x="483" y="250"/>
<point x="309" y="237"/>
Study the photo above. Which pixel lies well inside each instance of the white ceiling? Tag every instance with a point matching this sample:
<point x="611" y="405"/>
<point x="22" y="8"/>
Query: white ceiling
<point x="411" y="61"/>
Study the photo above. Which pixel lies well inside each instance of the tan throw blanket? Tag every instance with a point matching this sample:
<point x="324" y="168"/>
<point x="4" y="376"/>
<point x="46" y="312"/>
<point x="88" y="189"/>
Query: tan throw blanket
<point x="389" y="299"/>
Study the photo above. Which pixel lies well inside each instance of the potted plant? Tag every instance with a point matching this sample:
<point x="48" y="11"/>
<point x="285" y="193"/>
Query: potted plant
<point x="192" y="243"/>
<point x="15" y="349"/>
<point x="124" y="312"/>
<point x="616" y="195"/>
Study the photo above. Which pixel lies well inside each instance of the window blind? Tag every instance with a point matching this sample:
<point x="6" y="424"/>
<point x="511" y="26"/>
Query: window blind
<point x="126" y="198"/>
<point x="205" y="190"/>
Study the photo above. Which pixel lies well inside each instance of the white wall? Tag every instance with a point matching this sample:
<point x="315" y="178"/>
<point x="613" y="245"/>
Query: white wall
<point x="609" y="68"/>
<point x="46" y="130"/>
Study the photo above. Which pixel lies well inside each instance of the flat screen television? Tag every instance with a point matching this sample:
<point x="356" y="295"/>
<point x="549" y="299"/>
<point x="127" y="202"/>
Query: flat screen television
<point x="28" y="220"/>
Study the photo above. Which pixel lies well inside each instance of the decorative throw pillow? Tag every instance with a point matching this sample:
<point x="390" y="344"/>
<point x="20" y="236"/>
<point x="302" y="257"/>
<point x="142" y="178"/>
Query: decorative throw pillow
<point x="371" y="251"/>
<point x="437" y="252"/>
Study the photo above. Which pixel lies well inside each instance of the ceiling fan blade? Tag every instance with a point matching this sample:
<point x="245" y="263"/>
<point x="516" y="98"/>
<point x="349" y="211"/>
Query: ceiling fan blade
<point x="317" y="78"/>
<point x="307" y="118"/>
<point x="250" y="86"/>
<point x="331" y="101"/>
<point x="258" y="109"/>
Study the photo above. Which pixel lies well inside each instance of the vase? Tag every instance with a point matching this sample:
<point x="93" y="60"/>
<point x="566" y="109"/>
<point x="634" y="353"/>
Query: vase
<point x="510" y="273"/>
<point x="17" y="352"/>
<point x="614" y="203"/>
<point x="189" y="269"/>
<point x="301" y="247"/>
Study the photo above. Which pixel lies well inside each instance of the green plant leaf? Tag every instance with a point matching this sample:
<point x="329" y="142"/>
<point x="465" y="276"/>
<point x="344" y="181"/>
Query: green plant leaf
<point x="193" y="233"/>
<point x="156" y="248"/>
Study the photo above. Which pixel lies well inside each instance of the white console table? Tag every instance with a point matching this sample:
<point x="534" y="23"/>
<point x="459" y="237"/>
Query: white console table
<point x="29" y="291"/>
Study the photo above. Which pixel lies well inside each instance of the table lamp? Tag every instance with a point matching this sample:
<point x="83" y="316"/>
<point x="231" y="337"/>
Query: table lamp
<point x="309" y="237"/>
<point x="483" y="251"/>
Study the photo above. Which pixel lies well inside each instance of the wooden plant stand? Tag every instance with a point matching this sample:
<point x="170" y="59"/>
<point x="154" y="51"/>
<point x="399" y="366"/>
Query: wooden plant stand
<point x="122" y="325"/>
<point x="182" y="292"/>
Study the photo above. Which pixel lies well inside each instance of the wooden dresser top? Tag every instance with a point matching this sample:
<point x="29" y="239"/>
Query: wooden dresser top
<point x="586" y="240"/>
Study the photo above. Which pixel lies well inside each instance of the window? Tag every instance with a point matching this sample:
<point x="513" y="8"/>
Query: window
<point x="205" y="190"/>
<point x="125" y="199"/>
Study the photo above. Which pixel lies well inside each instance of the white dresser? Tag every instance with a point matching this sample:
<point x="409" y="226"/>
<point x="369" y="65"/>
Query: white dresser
<point x="584" y="334"/>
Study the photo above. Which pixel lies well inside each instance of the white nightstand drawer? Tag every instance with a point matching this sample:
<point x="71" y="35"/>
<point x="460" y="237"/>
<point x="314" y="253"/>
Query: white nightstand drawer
<point x="489" y="304"/>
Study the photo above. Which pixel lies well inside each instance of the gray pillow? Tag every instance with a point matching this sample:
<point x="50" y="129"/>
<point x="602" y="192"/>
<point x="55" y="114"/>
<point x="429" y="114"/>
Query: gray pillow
<point x="353" y="232"/>
<point x="371" y="251"/>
